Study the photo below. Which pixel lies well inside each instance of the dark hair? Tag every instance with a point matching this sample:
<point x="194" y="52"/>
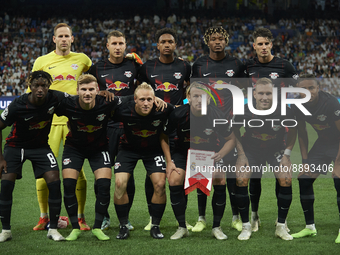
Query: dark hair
<point x="213" y="30"/>
<point x="39" y="74"/>
<point x="263" y="32"/>
<point x="307" y="76"/>
<point x="166" y="30"/>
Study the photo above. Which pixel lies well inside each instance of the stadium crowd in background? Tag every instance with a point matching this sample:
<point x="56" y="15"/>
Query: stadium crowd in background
<point x="312" y="46"/>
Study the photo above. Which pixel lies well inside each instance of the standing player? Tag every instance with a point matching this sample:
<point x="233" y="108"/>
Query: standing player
<point x="218" y="68"/>
<point x="116" y="74"/>
<point x="325" y="120"/>
<point x="168" y="76"/>
<point x="142" y="139"/>
<point x="261" y="145"/>
<point x="65" y="67"/>
<point x="31" y="116"/>
<point x="88" y="117"/>
<point x="283" y="74"/>
<point x="191" y="128"/>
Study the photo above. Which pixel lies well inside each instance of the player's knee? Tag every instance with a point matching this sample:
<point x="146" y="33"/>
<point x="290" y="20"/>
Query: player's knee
<point x="120" y="185"/>
<point x="51" y="176"/>
<point x="285" y="182"/>
<point x="219" y="181"/>
<point x="69" y="186"/>
<point x="104" y="185"/>
<point x="175" y="180"/>
<point x="305" y="183"/>
<point x="242" y="182"/>
<point x="159" y="187"/>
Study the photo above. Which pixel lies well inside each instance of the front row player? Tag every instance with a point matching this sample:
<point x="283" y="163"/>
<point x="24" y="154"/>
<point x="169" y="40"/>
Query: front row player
<point x="88" y="116"/>
<point x="31" y="116"/>
<point x="143" y="139"/>
<point x="325" y="120"/>
<point x="191" y="127"/>
<point x="261" y="145"/>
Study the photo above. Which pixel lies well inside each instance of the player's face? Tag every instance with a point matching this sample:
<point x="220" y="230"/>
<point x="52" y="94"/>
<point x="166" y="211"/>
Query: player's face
<point x="144" y="101"/>
<point x="263" y="47"/>
<point x="63" y="39"/>
<point x="313" y="88"/>
<point x="166" y="44"/>
<point x="39" y="88"/>
<point x="87" y="93"/>
<point x="217" y="43"/>
<point x="116" y="46"/>
<point x="195" y="100"/>
<point x="264" y="96"/>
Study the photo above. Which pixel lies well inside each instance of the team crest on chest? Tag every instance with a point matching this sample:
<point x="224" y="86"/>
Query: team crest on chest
<point x="51" y="110"/>
<point x="337" y="112"/>
<point x="74" y="66"/>
<point x="208" y="131"/>
<point x="128" y="74"/>
<point x="100" y="117"/>
<point x="276" y="127"/>
<point x="274" y="75"/>
<point x="230" y="73"/>
<point x="321" y="117"/>
<point x="156" y="123"/>
<point x="178" y="75"/>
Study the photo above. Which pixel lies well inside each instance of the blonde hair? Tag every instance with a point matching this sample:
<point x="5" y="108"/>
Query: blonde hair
<point x="196" y="84"/>
<point x="145" y="86"/>
<point x="62" y="25"/>
<point x="86" y="79"/>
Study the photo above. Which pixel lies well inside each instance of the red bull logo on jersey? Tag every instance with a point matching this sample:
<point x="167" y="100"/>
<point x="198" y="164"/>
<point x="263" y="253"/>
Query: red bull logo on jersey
<point x="144" y="133"/>
<point x="51" y="110"/>
<point x="263" y="137"/>
<point x="66" y="161"/>
<point x="166" y="87"/>
<point x="320" y="127"/>
<point x="128" y="74"/>
<point x="74" y="66"/>
<point x="321" y="117"/>
<point x="274" y="75"/>
<point x="276" y="127"/>
<point x="89" y="128"/>
<point x="197" y="140"/>
<point x="61" y="77"/>
<point x="101" y="117"/>
<point x="230" y="73"/>
<point x="39" y="125"/>
<point x="118" y="85"/>
<point x="117" y="165"/>
<point x="177" y="75"/>
<point x="219" y="82"/>
<point x="208" y="131"/>
<point x="156" y="123"/>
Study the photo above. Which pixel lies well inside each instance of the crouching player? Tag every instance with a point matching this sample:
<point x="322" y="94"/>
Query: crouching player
<point x="31" y="116"/>
<point x="325" y="120"/>
<point x="143" y="139"/>
<point x="260" y="145"/>
<point x="191" y="127"/>
<point x="88" y="116"/>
